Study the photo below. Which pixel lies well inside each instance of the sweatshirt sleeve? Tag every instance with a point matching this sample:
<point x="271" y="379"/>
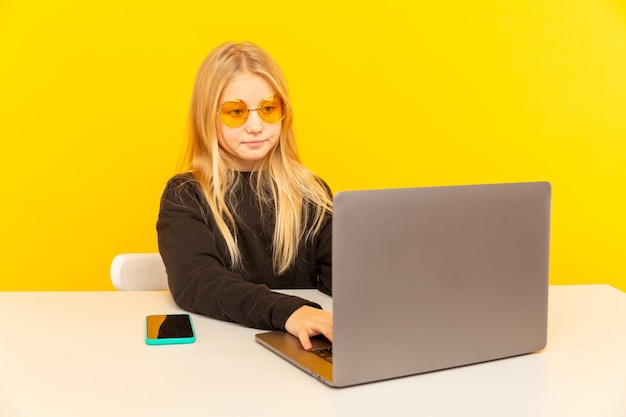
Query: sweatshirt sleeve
<point x="324" y="258"/>
<point x="198" y="274"/>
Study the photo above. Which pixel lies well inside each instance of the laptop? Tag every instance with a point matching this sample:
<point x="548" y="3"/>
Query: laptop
<point x="431" y="278"/>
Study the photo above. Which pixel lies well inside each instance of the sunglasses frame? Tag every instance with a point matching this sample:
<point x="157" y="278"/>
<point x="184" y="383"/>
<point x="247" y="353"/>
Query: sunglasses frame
<point x="244" y="119"/>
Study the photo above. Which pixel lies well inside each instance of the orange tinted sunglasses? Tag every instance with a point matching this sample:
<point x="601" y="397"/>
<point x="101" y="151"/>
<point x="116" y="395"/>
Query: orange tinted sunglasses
<point x="235" y="112"/>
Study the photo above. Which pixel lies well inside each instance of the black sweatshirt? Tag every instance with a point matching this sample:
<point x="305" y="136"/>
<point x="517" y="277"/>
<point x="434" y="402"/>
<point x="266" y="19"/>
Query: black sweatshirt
<point x="198" y="266"/>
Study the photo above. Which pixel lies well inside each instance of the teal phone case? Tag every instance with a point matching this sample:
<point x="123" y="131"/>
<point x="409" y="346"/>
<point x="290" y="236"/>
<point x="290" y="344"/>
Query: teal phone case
<point x="169" y="329"/>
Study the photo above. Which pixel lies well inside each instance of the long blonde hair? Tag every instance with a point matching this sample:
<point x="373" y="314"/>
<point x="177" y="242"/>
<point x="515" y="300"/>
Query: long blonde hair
<point x="300" y="200"/>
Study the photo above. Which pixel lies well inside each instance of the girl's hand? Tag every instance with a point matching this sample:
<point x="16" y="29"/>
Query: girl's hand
<point x="307" y="321"/>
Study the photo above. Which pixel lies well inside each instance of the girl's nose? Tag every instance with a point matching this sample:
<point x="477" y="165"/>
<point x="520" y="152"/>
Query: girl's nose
<point x="254" y="124"/>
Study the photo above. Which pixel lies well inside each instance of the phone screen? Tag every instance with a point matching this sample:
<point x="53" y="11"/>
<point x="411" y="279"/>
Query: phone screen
<point x="162" y="329"/>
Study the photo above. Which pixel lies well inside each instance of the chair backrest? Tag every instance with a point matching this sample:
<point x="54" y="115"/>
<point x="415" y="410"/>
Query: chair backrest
<point x="138" y="272"/>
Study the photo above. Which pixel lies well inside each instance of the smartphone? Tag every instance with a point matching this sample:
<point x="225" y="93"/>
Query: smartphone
<point x="168" y="329"/>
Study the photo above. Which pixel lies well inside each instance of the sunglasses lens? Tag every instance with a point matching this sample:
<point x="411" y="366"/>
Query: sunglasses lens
<point x="234" y="113"/>
<point x="271" y="109"/>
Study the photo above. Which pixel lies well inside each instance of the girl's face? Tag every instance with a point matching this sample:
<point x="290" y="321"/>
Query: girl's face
<point x="252" y="141"/>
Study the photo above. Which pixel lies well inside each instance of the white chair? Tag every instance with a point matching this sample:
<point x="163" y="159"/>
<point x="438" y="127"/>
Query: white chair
<point x="138" y="272"/>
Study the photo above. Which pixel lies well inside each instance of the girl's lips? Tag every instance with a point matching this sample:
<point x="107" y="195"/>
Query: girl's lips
<point x="254" y="143"/>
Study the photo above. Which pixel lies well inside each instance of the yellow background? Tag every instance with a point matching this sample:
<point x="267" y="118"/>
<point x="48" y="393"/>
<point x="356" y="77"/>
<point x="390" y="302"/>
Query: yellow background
<point x="94" y="96"/>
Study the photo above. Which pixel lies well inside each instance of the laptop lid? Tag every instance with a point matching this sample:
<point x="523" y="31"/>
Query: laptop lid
<point x="433" y="278"/>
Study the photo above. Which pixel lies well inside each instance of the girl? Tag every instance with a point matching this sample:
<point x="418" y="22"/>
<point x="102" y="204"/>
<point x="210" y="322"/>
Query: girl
<point x="247" y="216"/>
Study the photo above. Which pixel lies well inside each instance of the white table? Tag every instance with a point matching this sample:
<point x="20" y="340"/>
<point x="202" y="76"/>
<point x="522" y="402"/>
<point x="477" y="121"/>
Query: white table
<point x="83" y="354"/>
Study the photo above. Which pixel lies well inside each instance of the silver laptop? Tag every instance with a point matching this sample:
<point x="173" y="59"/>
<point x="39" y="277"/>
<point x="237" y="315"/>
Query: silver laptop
<point x="432" y="278"/>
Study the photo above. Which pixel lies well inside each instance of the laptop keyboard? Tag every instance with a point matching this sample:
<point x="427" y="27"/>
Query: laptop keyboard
<point x="326" y="353"/>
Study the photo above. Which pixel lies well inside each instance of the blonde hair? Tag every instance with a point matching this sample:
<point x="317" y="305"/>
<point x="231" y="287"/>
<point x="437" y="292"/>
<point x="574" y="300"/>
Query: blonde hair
<point x="299" y="199"/>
